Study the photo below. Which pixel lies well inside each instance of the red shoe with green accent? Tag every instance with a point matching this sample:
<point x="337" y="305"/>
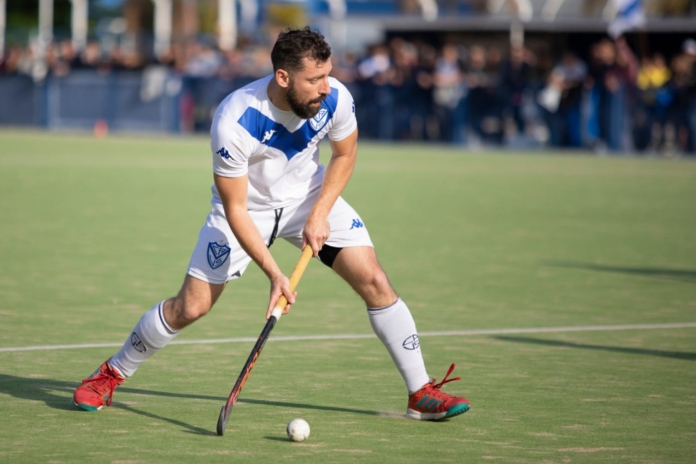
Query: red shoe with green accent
<point x="429" y="403"/>
<point x="98" y="389"/>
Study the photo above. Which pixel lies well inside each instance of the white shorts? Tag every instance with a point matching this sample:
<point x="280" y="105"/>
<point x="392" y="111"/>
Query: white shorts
<point x="218" y="257"/>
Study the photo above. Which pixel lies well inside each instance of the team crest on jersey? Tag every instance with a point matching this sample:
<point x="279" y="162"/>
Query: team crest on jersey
<point x="217" y="254"/>
<point x="320" y="120"/>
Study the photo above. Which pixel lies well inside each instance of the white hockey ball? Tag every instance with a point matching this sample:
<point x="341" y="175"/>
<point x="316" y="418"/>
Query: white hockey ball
<point x="298" y="430"/>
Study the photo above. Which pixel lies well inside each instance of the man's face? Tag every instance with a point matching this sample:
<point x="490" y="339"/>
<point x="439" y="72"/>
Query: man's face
<point x="308" y="87"/>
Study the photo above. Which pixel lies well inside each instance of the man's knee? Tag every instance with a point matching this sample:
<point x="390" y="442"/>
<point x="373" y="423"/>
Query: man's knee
<point x="180" y="312"/>
<point x="379" y="282"/>
<point x="375" y="289"/>
<point x="195" y="299"/>
<point x="187" y="312"/>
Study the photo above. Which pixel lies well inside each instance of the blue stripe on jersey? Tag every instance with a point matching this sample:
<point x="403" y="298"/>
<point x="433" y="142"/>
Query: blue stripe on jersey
<point x="275" y="135"/>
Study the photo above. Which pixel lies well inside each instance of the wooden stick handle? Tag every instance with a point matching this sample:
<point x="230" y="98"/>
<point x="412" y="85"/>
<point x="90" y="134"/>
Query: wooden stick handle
<point x="294" y="280"/>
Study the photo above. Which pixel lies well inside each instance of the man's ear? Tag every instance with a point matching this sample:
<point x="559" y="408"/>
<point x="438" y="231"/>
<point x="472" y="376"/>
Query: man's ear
<point x="282" y="77"/>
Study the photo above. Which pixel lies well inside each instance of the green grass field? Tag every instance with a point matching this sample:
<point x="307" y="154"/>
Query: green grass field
<point x="94" y="232"/>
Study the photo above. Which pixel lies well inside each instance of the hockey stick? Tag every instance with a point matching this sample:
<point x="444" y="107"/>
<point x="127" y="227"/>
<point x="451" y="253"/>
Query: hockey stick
<point x="275" y="315"/>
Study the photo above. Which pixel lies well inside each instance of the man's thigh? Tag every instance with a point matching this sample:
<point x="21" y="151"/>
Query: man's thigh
<point x="218" y="257"/>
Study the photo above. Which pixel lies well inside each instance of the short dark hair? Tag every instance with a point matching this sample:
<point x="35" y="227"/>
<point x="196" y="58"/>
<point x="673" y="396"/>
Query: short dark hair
<point x="295" y="44"/>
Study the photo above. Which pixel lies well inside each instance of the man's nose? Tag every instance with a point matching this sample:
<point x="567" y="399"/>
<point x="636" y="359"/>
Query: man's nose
<point x="325" y="88"/>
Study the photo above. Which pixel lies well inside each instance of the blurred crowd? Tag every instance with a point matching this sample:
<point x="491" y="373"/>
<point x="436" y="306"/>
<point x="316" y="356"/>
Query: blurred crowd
<point x="192" y="58"/>
<point x="613" y="99"/>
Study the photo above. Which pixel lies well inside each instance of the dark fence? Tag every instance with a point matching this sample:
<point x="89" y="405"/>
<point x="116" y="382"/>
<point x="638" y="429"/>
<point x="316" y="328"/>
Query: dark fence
<point x="19" y="99"/>
<point x="127" y="101"/>
<point x="120" y="101"/>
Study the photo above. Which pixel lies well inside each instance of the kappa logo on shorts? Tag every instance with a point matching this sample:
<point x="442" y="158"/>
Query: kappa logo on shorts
<point x="357" y="224"/>
<point x="217" y="254"/>
<point x="320" y="120"/>
<point x="138" y="343"/>
<point x="412" y="342"/>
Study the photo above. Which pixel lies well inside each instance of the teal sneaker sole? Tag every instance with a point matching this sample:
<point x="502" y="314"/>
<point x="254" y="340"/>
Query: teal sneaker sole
<point x="86" y="407"/>
<point x="456" y="410"/>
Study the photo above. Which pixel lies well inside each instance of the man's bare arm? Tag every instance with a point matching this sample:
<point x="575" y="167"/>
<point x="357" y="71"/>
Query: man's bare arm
<point x="233" y="193"/>
<point x="338" y="172"/>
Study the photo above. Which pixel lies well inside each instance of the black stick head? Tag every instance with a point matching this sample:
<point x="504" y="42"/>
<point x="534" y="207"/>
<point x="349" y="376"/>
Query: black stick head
<point x="222" y="422"/>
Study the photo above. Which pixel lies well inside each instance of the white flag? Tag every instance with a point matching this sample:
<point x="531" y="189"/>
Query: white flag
<point x="629" y="15"/>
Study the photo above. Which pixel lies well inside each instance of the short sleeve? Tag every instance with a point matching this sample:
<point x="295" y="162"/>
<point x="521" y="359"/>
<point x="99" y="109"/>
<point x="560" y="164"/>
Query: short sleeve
<point x="344" y="122"/>
<point x="231" y="146"/>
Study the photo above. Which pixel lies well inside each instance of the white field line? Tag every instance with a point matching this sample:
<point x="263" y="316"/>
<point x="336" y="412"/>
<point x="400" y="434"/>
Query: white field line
<point x="448" y="333"/>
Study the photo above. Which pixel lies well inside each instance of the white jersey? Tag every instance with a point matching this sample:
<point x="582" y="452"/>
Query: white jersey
<point x="277" y="149"/>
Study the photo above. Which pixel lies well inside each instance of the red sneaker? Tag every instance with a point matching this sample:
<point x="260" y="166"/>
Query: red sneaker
<point x="98" y="388"/>
<point x="429" y="403"/>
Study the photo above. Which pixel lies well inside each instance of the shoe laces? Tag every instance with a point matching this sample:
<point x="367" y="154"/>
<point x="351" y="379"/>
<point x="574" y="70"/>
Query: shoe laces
<point x="437" y="386"/>
<point x="103" y="382"/>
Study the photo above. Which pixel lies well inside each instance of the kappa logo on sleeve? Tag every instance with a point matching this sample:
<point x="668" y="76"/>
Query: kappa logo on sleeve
<point x="217" y="254"/>
<point x="224" y="153"/>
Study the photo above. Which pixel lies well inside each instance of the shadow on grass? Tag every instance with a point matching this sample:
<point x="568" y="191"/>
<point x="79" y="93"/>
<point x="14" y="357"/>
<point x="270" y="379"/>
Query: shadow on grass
<point x="684" y="356"/>
<point x="283" y="404"/>
<point x="34" y="389"/>
<point x="189" y="428"/>
<point x="683" y="275"/>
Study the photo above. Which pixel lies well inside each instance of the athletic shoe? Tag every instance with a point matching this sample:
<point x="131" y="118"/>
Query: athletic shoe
<point x="98" y="389"/>
<point x="429" y="403"/>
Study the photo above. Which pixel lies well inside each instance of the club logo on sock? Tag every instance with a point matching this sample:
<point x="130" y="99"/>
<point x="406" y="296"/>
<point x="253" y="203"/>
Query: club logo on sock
<point x="138" y="343"/>
<point x="217" y="254"/>
<point x="412" y="342"/>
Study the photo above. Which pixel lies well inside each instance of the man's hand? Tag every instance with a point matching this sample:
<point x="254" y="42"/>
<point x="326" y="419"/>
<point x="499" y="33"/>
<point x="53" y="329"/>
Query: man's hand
<point x="316" y="232"/>
<point x="280" y="286"/>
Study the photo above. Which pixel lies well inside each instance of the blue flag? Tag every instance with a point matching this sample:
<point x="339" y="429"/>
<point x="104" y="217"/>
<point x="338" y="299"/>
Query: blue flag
<point x="629" y="16"/>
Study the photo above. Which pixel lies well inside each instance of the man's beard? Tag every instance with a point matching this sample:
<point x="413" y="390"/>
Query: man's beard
<point x="302" y="110"/>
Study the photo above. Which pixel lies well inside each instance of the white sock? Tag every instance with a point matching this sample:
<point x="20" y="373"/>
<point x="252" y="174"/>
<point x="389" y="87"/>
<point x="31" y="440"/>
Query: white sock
<point x="149" y="335"/>
<point x="394" y="325"/>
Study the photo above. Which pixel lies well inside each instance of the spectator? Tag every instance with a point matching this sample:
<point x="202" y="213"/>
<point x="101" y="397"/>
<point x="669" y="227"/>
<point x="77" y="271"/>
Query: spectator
<point x="682" y="87"/>
<point x="11" y="60"/>
<point x="402" y="78"/>
<point x="202" y="60"/>
<point x="448" y="92"/>
<point x="482" y="99"/>
<point x="654" y="99"/>
<point x="561" y="98"/>
<point x="602" y="59"/>
<point x="515" y="80"/>
<point x="689" y="49"/>
<point x="423" y="122"/>
<point x="375" y="113"/>
<point x="620" y="84"/>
